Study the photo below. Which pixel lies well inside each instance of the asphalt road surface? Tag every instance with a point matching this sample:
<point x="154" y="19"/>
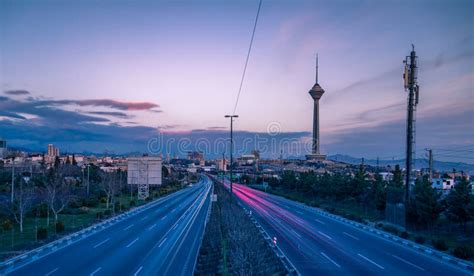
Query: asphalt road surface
<point x="318" y="245"/>
<point x="162" y="240"/>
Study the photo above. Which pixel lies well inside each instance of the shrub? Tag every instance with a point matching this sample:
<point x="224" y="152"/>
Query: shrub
<point x="117" y="206"/>
<point x="7" y="224"/>
<point x="420" y="239"/>
<point x="92" y="202"/>
<point x="404" y="235"/>
<point x="77" y="211"/>
<point x="132" y="203"/>
<point x="42" y="233"/>
<point x="103" y="200"/>
<point x="107" y="213"/>
<point x="75" y="204"/>
<point x="440" y="245"/>
<point x="99" y="215"/>
<point x="464" y="252"/>
<point x="43" y="210"/>
<point x="59" y="227"/>
<point x="390" y="229"/>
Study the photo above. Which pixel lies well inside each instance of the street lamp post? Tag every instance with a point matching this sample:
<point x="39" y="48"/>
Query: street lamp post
<point x="88" y="179"/>
<point x="231" y="146"/>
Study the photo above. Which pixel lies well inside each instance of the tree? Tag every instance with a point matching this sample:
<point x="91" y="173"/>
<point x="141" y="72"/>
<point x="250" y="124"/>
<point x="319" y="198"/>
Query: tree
<point x="289" y="180"/>
<point x="22" y="203"/>
<point x="359" y="185"/>
<point x="68" y="161"/>
<point x="57" y="162"/>
<point x="395" y="187"/>
<point x="109" y="186"/>
<point x="379" y="191"/>
<point x="57" y="193"/>
<point x="425" y="203"/>
<point x="74" y="162"/>
<point x="459" y="203"/>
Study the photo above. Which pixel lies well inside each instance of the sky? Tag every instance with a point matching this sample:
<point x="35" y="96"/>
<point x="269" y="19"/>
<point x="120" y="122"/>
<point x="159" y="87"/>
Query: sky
<point x="118" y="75"/>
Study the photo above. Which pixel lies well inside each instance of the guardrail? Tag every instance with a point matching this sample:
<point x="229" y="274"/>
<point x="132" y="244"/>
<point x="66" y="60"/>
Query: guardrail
<point x="388" y="236"/>
<point x="21" y="260"/>
<point x="290" y="268"/>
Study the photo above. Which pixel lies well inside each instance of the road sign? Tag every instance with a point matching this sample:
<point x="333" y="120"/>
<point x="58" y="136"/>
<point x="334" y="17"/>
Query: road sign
<point x="265" y="185"/>
<point x="144" y="171"/>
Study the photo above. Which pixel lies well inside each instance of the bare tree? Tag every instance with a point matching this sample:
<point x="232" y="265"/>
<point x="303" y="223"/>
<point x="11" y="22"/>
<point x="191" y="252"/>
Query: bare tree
<point x="109" y="185"/>
<point x="57" y="193"/>
<point x="22" y="203"/>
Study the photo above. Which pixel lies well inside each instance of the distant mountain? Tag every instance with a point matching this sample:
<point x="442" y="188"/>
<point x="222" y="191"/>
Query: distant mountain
<point x="419" y="163"/>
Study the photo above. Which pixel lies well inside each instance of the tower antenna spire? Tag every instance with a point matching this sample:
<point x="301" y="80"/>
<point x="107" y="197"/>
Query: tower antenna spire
<point x="316" y="67"/>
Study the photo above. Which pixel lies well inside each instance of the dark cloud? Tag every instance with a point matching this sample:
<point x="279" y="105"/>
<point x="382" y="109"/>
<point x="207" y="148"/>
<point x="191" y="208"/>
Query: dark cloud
<point x="121" y="105"/>
<point x="46" y="115"/>
<point x="216" y="128"/>
<point x="17" y="92"/>
<point x="111" y="113"/>
<point x="11" y="115"/>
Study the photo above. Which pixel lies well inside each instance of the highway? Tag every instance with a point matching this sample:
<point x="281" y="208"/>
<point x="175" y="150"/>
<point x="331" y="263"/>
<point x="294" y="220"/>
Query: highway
<point x="319" y="245"/>
<point x="162" y="240"/>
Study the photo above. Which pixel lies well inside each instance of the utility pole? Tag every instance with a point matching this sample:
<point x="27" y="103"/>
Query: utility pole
<point x="13" y="178"/>
<point x="231" y="146"/>
<point x="430" y="163"/>
<point x="88" y="178"/>
<point x="223" y="167"/>
<point x="410" y="83"/>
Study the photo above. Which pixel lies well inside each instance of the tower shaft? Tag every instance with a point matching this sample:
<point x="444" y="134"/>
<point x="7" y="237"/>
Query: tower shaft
<point x="315" y="149"/>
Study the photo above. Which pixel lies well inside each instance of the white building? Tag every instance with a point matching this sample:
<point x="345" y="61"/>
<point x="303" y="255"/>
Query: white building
<point x="442" y="183"/>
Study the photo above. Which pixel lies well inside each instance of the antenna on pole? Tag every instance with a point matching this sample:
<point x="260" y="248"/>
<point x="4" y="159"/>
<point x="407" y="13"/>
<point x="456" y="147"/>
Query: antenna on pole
<point x="316" y="67"/>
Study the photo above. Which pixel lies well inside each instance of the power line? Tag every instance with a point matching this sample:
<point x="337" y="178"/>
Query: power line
<point x="461" y="151"/>
<point x="248" y="56"/>
<point x="465" y="147"/>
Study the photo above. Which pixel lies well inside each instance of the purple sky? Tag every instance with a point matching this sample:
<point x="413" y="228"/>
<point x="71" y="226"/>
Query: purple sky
<point x="88" y="67"/>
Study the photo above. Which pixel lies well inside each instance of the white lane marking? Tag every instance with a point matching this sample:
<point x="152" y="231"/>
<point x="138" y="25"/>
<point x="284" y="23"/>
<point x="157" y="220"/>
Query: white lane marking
<point x="151" y="227"/>
<point x="138" y="271"/>
<point x="52" y="271"/>
<point x="95" y="271"/>
<point x="324" y="235"/>
<point x="130" y="244"/>
<point x="161" y="243"/>
<point x="317" y="220"/>
<point x="101" y="243"/>
<point x="163" y="217"/>
<point x="128" y="227"/>
<point x="299" y="236"/>
<point x="157" y="211"/>
<point x="370" y="261"/>
<point x="175" y="226"/>
<point x="173" y="210"/>
<point x="144" y="218"/>
<point x="331" y="260"/>
<point x="407" y="262"/>
<point x="299" y="212"/>
<point x="351" y="236"/>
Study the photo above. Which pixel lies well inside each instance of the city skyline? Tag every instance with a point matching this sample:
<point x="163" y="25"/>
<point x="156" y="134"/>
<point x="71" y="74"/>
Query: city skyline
<point x="87" y="79"/>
